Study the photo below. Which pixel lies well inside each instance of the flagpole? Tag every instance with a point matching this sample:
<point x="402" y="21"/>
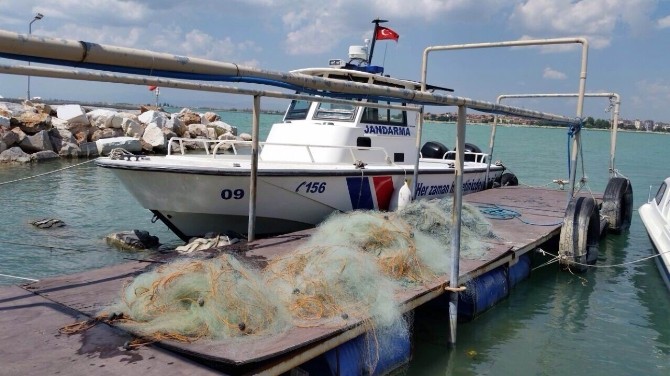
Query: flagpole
<point x="374" y="38"/>
<point x="157" y="91"/>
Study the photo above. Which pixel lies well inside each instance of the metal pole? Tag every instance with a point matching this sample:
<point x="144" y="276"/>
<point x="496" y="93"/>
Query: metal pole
<point x="456" y="220"/>
<point x="491" y="145"/>
<point x="615" y="128"/>
<point x="37" y="17"/>
<point x="577" y="140"/>
<point x="419" y="130"/>
<point x="142" y="62"/>
<point x="254" y="168"/>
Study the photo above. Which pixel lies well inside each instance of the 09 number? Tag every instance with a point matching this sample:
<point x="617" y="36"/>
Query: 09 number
<point x="236" y="194"/>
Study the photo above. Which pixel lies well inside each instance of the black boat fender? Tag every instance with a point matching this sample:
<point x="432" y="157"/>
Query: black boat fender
<point x="508" y="179"/>
<point x="580" y="234"/>
<point x="617" y="206"/>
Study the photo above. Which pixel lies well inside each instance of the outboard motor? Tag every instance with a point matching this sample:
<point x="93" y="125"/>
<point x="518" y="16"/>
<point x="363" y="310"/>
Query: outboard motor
<point x="434" y="150"/>
<point x="471" y="148"/>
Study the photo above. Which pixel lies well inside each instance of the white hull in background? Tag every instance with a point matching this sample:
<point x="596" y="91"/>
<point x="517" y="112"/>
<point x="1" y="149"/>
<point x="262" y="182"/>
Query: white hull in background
<point x="195" y="203"/>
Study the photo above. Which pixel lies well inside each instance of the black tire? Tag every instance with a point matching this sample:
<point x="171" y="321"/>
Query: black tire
<point x="580" y="234"/>
<point x="508" y="179"/>
<point x="617" y="204"/>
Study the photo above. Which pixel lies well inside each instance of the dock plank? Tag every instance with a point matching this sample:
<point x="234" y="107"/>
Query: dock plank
<point x="540" y="209"/>
<point x="30" y="344"/>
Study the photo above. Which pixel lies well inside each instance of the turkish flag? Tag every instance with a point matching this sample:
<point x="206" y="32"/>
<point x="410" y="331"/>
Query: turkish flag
<point x="386" y="33"/>
<point x="152" y="88"/>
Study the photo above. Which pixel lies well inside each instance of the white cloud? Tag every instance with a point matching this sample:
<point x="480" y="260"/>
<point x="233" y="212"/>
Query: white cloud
<point x="552" y="74"/>
<point x="663" y="23"/>
<point x="595" y="19"/>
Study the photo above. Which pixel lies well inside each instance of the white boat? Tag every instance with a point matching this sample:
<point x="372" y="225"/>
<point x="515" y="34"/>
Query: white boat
<point x="655" y="215"/>
<point x="322" y="158"/>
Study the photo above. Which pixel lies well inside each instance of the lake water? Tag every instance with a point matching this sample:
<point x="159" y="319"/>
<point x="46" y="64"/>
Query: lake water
<point x="608" y="321"/>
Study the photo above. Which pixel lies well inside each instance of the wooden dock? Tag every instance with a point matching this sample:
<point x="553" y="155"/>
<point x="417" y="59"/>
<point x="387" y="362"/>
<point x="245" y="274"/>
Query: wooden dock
<point x="31" y="315"/>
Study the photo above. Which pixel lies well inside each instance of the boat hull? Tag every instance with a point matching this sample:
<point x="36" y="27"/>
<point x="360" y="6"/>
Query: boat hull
<point x="659" y="234"/>
<point x="195" y="202"/>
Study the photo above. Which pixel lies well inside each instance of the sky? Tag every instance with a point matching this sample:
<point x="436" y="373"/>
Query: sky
<point x="628" y="45"/>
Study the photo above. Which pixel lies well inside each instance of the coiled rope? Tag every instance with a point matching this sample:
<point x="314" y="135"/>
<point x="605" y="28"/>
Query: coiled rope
<point x="494" y="211"/>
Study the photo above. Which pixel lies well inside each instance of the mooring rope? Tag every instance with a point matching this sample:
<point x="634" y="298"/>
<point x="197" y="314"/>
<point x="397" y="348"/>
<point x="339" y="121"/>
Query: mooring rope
<point x="17" y="277"/>
<point x="45" y="173"/>
<point x="610" y="265"/>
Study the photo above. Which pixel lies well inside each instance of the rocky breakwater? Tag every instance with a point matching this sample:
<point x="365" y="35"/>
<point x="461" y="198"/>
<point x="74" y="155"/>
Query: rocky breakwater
<point x="36" y="131"/>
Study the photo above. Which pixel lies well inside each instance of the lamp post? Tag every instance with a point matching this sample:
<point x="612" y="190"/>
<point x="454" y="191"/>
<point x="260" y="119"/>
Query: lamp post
<point x="37" y="17"/>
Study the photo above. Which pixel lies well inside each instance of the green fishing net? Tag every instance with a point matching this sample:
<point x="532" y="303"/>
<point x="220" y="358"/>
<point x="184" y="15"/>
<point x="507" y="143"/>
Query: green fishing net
<point x="347" y="272"/>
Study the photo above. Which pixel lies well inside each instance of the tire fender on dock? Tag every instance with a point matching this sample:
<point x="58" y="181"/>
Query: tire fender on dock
<point x="580" y="234"/>
<point x="617" y="204"/>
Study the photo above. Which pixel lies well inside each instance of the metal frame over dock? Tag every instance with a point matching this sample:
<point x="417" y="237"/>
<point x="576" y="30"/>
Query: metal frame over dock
<point x="52" y="303"/>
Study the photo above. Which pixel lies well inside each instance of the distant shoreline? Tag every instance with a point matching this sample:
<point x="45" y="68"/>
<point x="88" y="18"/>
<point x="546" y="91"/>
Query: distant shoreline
<point x="135" y="107"/>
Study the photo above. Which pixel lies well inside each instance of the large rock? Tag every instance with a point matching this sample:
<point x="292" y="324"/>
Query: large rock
<point x="44" y="156"/>
<point x="133" y="240"/>
<point x="3" y="146"/>
<point x="104" y="146"/>
<point x="132" y="128"/>
<point x="4" y="111"/>
<point x="5" y="123"/>
<point x="31" y="122"/>
<point x="62" y="138"/>
<point x="245" y="137"/>
<point x="106" y="133"/>
<point x="198" y="130"/>
<point x="101" y="118"/>
<point x="37" y="142"/>
<point x="11" y="138"/>
<point x="14" y="154"/>
<point x="90" y="149"/>
<point x="155" y="117"/>
<point x="72" y="113"/>
<point x="222" y="127"/>
<point x="44" y="109"/>
<point x="154" y="136"/>
<point x="209" y="117"/>
<point x="80" y="131"/>
<point x="121" y="117"/>
<point x="70" y="149"/>
<point x="188" y="118"/>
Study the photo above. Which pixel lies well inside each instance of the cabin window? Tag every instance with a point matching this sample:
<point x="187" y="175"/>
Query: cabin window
<point x="660" y="193"/>
<point x="386" y="116"/>
<point x="297" y="110"/>
<point x="333" y="111"/>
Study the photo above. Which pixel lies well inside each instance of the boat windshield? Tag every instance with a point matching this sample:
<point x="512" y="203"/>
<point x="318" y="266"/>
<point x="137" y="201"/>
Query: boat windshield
<point x="660" y="193"/>
<point x="387" y="116"/>
<point x="333" y="111"/>
<point x="297" y="110"/>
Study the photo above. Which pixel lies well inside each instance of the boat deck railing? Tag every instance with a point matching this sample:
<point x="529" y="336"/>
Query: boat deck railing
<point x="212" y="148"/>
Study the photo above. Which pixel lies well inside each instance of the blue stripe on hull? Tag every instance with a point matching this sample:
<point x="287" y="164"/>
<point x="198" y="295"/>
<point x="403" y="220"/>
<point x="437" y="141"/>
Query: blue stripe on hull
<point x="360" y="193"/>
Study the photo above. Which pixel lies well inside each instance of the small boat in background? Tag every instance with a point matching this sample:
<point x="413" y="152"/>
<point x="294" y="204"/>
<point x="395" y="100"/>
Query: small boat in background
<point x="655" y="215"/>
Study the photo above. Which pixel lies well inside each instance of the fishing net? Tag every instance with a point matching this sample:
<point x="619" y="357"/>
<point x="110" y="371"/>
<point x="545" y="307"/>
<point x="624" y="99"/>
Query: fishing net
<point x="434" y="219"/>
<point x="332" y="284"/>
<point x="390" y="241"/>
<point x="191" y="299"/>
<point x="346" y="273"/>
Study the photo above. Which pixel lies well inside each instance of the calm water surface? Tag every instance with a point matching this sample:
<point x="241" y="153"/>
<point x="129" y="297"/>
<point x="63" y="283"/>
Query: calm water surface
<point x="608" y="321"/>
